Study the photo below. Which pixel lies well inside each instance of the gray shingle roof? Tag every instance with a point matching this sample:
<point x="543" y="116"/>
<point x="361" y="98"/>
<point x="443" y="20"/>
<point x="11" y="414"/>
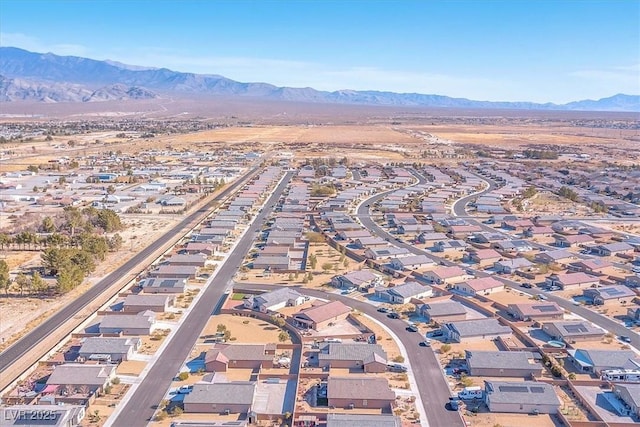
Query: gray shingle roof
<point x="502" y="359"/>
<point x="527" y="392"/>
<point x="362" y="420"/>
<point x="605" y="358"/>
<point x="222" y="393"/>
<point x="444" y="308"/>
<point x="409" y="289"/>
<point x="371" y="388"/>
<point x="478" y="327"/>
<point x="351" y="351"/>
<point x="106" y="345"/>
<point x="78" y="374"/>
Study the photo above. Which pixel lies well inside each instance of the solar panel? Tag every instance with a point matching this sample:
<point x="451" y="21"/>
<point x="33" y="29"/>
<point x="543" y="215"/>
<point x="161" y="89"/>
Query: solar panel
<point x="537" y="389"/>
<point x="544" y="308"/>
<point x="574" y="329"/>
<point x="513" y="389"/>
<point x="613" y="291"/>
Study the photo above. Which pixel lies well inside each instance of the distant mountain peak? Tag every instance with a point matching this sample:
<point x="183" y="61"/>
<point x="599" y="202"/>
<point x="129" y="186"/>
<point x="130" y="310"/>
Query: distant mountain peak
<point x="52" y="78"/>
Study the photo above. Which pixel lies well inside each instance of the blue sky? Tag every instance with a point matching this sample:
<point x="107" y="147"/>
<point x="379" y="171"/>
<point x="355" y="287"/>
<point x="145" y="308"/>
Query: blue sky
<point x="542" y="51"/>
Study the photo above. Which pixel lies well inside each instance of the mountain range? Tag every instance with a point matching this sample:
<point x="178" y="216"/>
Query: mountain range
<point x="29" y="76"/>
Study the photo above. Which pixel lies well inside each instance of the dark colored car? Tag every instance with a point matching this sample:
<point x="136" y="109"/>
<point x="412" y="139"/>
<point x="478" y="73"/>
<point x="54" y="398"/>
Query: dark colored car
<point x="393" y="315"/>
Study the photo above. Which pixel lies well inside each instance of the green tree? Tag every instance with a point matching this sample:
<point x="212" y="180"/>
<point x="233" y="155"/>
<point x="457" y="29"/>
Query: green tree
<point x="62" y="180"/>
<point x="73" y="219"/>
<point x="109" y="221"/>
<point x="22" y="281"/>
<point x="32" y="168"/>
<point x="115" y="242"/>
<point x="69" y="279"/>
<point x="5" y="240"/>
<point x="38" y="285"/>
<point x="5" y="280"/>
<point x="111" y="189"/>
<point x="47" y="225"/>
<point x="445" y="348"/>
<point x="283" y="336"/>
<point x="221" y="327"/>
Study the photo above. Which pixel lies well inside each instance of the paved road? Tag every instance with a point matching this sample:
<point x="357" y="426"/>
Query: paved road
<point x="141" y="406"/>
<point x="432" y="386"/>
<point x="26" y="343"/>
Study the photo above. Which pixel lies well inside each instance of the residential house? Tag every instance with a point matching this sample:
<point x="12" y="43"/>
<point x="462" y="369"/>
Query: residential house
<point x="538" y="231"/>
<point x="207" y="249"/>
<point x="526" y="397"/>
<point x="572" y="331"/>
<point x="363" y="420"/>
<point x="573" y="240"/>
<point x="512" y="246"/>
<point x="595" y="267"/>
<point x="442" y="311"/>
<point x="617" y="248"/>
<point x="136" y="303"/>
<point x="360" y="393"/>
<point x="109" y="349"/>
<point x="522" y="364"/>
<point x="412" y="262"/>
<point x="572" y="280"/>
<point x="274" y="300"/>
<point x="510" y="266"/>
<point x="559" y="256"/>
<point x="361" y="279"/>
<point x="450" y="245"/>
<point x="476" y="329"/>
<point x="220" y="398"/>
<point x="320" y="316"/>
<point x="431" y="237"/>
<point x="596" y="361"/>
<point x="370" y="242"/>
<point x="385" y="253"/>
<point x="463" y="231"/>
<point x="537" y="311"/>
<point x="630" y="395"/>
<point x="446" y="275"/>
<point x="404" y="293"/>
<point x="480" y="286"/>
<point x="162" y="286"/>
<point x="609" y="294"/>
<point x="483" y="257"/>
<point x="174" y="272"/>
<point x="195" y="260"/>
<point x="271" y="262"/>
<point x="368" y="357"/>
<point x="128" y="324"/>
<point x="221" y="357"/>
<point x="77" y="379"/>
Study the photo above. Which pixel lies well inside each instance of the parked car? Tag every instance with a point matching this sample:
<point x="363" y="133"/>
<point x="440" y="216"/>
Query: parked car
<point x="425" y="343"/>
<point x="625" y="338"/>
<point x="185" y="389"/>
<point x="527" y="285"/>
<point x="412" y="327"/>
<point x="395" y="367"/>
<point x="393" y="315"/>
<point x="383" y="310"/>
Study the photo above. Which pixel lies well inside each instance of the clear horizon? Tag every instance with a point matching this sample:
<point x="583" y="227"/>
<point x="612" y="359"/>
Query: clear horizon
<point x="546" y="51"/>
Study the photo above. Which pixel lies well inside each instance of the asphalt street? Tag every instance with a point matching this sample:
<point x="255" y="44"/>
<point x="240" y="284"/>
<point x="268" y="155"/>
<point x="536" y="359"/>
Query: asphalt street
<point x="21" y="347"/>
<point x="139" y="409"/>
